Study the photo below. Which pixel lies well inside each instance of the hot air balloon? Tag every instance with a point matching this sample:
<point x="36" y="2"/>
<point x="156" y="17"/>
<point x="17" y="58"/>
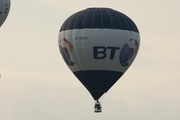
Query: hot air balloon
<point x="98" y="45"/>
<point x="4" y="10"/>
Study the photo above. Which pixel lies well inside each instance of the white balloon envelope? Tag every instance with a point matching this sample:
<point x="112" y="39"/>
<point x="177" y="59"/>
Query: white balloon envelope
<point x="98" y="45"/>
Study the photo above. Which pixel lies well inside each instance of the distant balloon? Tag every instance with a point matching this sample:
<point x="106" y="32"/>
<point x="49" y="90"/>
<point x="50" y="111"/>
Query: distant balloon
<point x="4" y="10"/>
<point x="98" y="45"/>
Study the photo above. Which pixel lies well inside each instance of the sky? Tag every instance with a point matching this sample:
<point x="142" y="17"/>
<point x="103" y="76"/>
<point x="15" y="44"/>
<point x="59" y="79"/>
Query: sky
<point x="36" y="84"/>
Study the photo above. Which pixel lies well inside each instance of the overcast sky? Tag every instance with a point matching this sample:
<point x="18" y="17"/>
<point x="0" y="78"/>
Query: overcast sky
<point x="36" y="84"/>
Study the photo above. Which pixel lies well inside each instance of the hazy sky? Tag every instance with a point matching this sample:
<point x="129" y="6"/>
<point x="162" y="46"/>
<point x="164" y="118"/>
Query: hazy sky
<point x="36" y="84"/>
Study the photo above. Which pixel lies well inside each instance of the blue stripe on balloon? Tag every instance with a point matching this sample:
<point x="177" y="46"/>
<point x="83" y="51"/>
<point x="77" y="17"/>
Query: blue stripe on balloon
<point x="97" y="82"/>
<point x="104" y="18"/>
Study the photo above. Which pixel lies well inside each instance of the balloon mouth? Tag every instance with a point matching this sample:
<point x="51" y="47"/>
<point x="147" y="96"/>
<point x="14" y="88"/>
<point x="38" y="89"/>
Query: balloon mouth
<point x="96" y="95"/>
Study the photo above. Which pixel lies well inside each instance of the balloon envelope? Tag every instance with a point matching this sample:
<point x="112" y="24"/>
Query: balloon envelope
<point x="4" y="10"/>
<point x="98" y="45"/>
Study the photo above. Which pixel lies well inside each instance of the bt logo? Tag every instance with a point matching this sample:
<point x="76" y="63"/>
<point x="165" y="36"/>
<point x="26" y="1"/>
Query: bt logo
<point x="126" y="53"/>
<point x="100" y="52"/>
